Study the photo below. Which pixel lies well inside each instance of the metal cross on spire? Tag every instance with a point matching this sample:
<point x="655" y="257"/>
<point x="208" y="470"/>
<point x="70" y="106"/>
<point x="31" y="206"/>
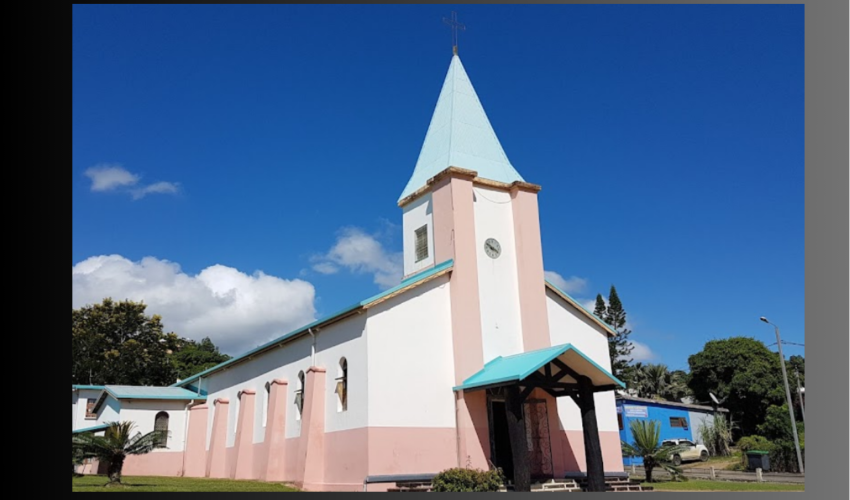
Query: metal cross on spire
<point x="455" y="26"/>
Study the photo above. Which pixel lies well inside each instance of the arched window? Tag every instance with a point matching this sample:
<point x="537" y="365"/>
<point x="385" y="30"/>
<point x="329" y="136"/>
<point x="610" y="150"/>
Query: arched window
<point x="342" y="385"/>
<point x="266" y="397"/>
<point x="161" y="426"/>
<point x="299" y="396"/>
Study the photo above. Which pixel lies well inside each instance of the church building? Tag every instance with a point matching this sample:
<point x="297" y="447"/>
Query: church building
<point x="431" y="374"/>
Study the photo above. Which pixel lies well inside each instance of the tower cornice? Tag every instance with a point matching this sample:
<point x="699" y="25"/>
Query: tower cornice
<point x="471" y="175"/>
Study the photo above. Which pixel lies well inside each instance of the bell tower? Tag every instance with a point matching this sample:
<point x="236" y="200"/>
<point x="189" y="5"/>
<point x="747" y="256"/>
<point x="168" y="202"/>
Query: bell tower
<point x="465" y="201"/>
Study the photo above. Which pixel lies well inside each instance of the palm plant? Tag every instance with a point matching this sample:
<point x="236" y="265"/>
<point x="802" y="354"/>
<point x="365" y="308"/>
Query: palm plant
<point x="115" y="445"/>
<point x="646" y="443"/>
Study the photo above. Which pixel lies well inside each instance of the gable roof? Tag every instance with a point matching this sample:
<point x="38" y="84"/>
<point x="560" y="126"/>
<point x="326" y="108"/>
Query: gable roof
<point x="573" y="302"/>
<point x="406" y="284"/>
<point x="460" y="135"/>
<point x="148" y="392"/>
<point x="94" y="428"/>
<point x="518" y="367"/>
<point x="634" y="399"/>
<point x="119" y="392"/>
<point x="91" y="387"/>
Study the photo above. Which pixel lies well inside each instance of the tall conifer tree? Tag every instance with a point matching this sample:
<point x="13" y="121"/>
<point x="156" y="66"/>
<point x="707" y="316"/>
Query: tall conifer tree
<point x="619" y="347"/>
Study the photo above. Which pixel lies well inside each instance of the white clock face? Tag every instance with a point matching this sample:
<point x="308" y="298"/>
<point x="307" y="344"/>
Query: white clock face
<point x="492" y="248"/>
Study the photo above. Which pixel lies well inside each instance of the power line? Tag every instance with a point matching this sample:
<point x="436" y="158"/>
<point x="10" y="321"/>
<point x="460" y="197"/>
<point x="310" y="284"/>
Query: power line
<point x="787" y="343"/>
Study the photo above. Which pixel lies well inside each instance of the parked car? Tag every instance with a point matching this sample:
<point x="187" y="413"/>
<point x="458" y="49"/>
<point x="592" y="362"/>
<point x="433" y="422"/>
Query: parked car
<point x="689" y="452"/>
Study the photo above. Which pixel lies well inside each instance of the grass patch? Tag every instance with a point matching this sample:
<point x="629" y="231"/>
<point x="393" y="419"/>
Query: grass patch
<point x="699" y="485"/>
<point x="142" y="483"/>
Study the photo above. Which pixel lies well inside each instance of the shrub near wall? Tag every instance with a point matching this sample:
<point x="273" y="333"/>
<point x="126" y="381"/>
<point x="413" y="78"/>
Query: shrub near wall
<point x="782" y="453"/>
<point x="467" y="480"/>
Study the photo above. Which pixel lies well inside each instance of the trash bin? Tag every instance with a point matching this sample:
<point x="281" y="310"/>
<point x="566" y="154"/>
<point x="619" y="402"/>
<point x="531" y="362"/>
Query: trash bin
<point x="758" y="460"/>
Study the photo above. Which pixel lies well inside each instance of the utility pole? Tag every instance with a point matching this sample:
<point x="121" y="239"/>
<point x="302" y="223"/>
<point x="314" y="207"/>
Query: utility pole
<point x="800" y="396"/>
<point x="788" y="396"/>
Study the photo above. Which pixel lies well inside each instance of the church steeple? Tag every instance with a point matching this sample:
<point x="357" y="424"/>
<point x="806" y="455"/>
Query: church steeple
<point x="460" y="135"/>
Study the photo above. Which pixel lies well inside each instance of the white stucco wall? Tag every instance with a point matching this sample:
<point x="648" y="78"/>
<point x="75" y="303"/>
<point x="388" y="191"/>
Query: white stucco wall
<point x="697" y="419"/>
<point x="415" y="215"/>
<point x="411" y="362"/>
<point x="568" y="326"/>
<point x="79" y="398"/>
<point x="110" y="412"/>
<point x="341" y="339"/>
<point x="501" y="324"/>
<point x="143" y="414"/>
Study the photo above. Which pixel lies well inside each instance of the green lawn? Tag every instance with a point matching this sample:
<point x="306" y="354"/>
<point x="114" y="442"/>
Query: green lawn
<point x="141" y="483"/>
<point x="698" y="485"/>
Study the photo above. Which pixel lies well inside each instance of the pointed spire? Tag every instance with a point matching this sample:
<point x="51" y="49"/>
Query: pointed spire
<point x="460" y="135"/>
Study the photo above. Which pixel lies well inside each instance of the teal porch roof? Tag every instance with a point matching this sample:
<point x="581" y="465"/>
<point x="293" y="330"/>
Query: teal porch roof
<point x="518" y="367"/>
<point x="145" y="392"/>
<point x="91" y="429"/>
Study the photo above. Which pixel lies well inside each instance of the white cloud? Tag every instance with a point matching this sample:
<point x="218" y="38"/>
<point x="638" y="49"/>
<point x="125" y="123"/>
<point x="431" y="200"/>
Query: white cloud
<point x="156" y="188"/>
<point x="361" y="253"/>
<point x="236" y="310"/>
<point x="589" y="304"/>
<point x="325" y="268"/>
<point x="641" y="353"/>
<point x="114" y="177"/>
<point x="571" y="285"/>
<point x="106" y="177"/>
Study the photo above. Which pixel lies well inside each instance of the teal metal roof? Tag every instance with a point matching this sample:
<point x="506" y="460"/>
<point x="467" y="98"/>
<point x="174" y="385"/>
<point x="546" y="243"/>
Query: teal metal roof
<point x="460" y="135"/>
<point x="582" y="309"/>
<point x="91" y="429"/>
<point x="92" y="387"/>
<point x="411" y="280"/>
<point x="144" y="392"/>
<point x="518" y="367"/>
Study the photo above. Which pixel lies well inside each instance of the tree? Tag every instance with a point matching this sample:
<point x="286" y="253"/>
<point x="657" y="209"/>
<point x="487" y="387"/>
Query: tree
<point x="777" y="425"/>
<point x="194" y="357"/>
<point x="646" y="443"/>
<point x="116" y="343"/>
<point x="677" y="386"/>
<point x="116" y="444"/>
<point x="744" y="372"/>
<point x="655" y="381"/>
<point x="619" y="347"/>
<point x="601" y="310"/>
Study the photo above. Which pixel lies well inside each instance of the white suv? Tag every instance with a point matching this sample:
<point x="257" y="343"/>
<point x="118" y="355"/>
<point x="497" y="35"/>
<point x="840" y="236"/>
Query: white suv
<point x="689" y="451"/>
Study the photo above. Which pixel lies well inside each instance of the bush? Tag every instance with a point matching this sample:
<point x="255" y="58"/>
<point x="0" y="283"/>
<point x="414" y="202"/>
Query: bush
<point x="466" y="480"/>
<point x="783" y="456"/>
<point x="782" y="453"/>
<point x="716" y="435"/>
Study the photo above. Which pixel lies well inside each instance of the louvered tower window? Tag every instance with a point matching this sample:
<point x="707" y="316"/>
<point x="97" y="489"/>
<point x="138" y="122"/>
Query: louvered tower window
<point x="421" y="243"/>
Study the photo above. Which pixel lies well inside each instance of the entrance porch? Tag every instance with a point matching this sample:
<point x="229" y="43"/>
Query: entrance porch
<point x="521" y="419"/>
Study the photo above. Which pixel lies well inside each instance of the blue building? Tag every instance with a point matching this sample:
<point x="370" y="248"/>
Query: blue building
<point x="678" y="420"/>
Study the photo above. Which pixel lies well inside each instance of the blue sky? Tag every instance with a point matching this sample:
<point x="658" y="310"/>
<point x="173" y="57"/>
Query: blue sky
<point x="217" y="141"/>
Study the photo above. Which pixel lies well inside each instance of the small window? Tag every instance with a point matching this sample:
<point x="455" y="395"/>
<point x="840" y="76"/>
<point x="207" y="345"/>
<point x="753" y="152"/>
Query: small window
<point x="422" y="243"/>
<point x="679" y="422"/>
<point x="342" y="385"/>
<point x="620" y="420"/>
<point x="299" y="396"/>
<point x="90" y="414"/>
<point x="161" y="426"/>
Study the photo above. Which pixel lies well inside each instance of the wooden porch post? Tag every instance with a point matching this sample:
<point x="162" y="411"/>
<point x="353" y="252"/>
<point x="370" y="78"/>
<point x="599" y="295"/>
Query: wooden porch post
<point x="592" y="447"/>
<point x="519" y="446"/>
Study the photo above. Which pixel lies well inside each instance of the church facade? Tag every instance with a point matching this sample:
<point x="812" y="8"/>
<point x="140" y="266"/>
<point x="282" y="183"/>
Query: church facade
<point x="412" y="380"/>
